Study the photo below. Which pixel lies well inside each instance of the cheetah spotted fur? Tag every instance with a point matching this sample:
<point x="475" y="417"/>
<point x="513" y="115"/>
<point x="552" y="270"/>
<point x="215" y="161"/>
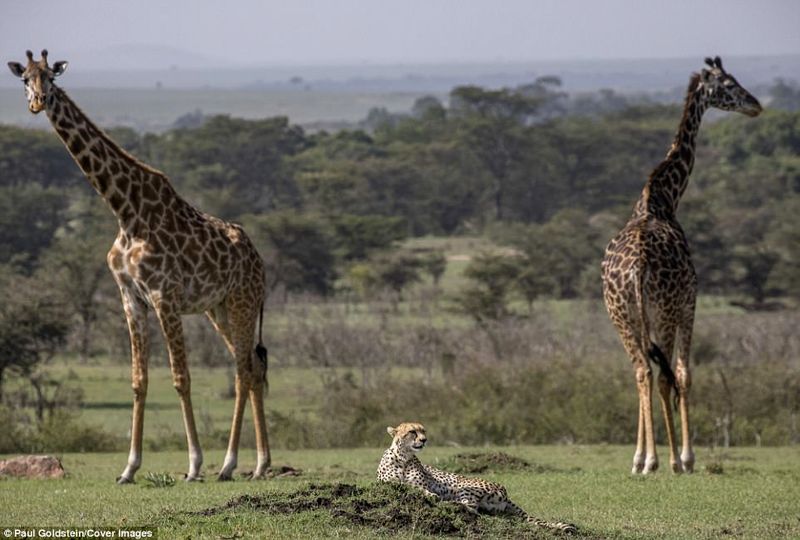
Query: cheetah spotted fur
<point x="400" y="464"/>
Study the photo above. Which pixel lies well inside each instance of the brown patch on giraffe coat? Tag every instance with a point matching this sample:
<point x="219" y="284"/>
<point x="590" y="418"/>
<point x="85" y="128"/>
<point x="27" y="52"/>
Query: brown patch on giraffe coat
<point x="76" y="145"/>
<point x="122" y="183"/>
<point x="148" y="191"/>
<point x="115" y="201"/>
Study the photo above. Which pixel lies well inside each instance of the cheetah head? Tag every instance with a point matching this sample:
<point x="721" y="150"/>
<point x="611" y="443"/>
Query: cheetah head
<point x="408" y="436"/>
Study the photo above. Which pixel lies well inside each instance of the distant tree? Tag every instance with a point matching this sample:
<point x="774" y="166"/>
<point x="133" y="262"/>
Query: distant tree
<point x="491" y="125"/>
<point x="492" y="277"/>
<point x="434" y="263"/>
<point x="34" y="156"/>
<point x="559" y="250"/>
<point x="231" y="166"/>
<point x="753" y="265"/>
<point x="784" y="239"/>
<point x="358" y="236"/>
<point x="76" y="267"/>
<point x="29" y="217"/>
<point x="396" y="271"/>
<point x="429" y="108"/>
<point x="784" y="95"/>
<point x="33" y="325"/>
<point x="533" y="283"/>
<point x="298" y="249"/>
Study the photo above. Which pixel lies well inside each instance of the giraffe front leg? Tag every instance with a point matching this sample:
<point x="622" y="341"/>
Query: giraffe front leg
<point x="136" y="314"/>
<point x="172" y="328"/>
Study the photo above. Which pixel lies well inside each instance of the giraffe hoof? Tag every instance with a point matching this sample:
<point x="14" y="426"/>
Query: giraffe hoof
<point x="224" y="477"/>
<point x="195" y="478"/>
<point x="121" y="481"/>
<point x="650" y="466"/>
<point x="677" y="467"/>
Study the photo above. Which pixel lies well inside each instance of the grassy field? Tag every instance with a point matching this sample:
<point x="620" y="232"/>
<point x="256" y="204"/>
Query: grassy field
<point x="754" y="495"/>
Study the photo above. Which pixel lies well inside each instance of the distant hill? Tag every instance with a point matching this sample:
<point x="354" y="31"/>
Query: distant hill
<point x="150" y="67"/>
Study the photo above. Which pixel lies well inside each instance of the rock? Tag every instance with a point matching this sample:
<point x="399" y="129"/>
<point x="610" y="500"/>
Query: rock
<point x="32" y="467"/>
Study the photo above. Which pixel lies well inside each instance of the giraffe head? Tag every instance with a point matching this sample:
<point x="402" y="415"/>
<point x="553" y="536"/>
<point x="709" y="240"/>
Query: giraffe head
<point x="724" y="91"/>
<point x="38" y="78"/>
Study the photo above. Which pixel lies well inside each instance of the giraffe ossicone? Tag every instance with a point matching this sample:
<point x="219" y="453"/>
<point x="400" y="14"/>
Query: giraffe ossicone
<point x="649" y="281"/>
<point x="169" y="258"/>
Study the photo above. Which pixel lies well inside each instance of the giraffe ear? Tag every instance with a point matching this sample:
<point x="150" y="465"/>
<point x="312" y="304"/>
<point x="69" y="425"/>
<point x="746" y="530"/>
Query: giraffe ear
<point x="16" y="68"/>
<point x="60" y="67"/>
<point x="709" y="62"/>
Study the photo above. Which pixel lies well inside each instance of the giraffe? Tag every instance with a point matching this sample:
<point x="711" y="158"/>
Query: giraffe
<point x="170" y="258"/>
<point x="649" y="282"/>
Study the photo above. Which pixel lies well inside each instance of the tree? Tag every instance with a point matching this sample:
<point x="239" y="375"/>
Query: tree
<point x="434" y="263"/>
<point x="533" y="283"/>
<point x="29" y="217"/>
<point x="490" y="125"/>
<point x="76" y="267"/>
<point x="492" y="277"/>
<point x="33" y="326"/>
<point x="357" y="236"/>
<point x="298" y="249"/>
<point x="396" y="271"/>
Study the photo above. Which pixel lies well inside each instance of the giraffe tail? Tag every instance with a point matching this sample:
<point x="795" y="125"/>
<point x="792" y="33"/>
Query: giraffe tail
<point x="261" y="350"/>
<point x="654" y="352"/>
<point x="560" y="526"/>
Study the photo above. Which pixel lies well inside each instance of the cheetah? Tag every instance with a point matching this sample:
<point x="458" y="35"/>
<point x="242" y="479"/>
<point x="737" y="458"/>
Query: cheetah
<point x="400" y="464"/>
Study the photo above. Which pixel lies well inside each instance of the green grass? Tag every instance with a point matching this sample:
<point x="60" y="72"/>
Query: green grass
<point x="754" y="497"/>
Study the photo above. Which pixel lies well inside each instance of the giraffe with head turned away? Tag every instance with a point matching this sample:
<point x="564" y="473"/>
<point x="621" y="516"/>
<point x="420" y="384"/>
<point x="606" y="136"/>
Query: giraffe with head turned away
<point x="172" y="259"/>
<point x="649" y="282"/>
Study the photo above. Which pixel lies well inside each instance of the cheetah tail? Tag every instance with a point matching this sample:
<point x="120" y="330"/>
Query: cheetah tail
<point x="560" y="526"/>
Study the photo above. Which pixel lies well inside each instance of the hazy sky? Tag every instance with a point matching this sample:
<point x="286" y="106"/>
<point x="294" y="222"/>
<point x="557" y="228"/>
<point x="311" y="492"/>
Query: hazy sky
<point x="313" y="32"/>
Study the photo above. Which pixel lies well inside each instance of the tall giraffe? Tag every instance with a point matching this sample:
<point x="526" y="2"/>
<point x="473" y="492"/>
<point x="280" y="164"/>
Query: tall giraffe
<point x="171" y="258"/>
<point x="649" y="282"/>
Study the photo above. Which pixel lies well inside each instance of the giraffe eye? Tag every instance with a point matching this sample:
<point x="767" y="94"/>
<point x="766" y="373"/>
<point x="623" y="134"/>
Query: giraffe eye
<point x="25" y="80"/>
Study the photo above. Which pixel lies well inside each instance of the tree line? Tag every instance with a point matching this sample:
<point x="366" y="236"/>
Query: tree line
<point x="551" y="177"/>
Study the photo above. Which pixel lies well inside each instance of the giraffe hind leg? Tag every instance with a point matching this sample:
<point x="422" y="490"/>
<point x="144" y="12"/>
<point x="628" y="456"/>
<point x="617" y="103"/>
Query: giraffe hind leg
<point x="666" y="383"/>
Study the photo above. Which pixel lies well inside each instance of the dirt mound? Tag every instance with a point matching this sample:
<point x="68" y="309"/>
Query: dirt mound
<point x="386" y="508"/>
<point x="476" y="463"/>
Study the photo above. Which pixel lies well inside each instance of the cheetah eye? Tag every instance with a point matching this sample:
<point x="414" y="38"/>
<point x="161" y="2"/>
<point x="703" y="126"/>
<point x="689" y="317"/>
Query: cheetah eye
<point x="413" y="432"/>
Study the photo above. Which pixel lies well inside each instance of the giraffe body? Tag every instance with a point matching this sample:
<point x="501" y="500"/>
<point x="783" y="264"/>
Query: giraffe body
<point x="649" y="281"/>
<point x="171" y="259"/>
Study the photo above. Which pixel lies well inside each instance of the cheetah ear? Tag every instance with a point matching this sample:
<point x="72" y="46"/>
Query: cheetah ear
<point x="391" y="431"/>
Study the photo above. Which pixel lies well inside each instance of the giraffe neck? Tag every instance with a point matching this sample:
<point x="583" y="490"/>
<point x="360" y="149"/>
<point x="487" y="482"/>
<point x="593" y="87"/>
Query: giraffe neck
<point x="668" y="181"/>
<point x="131" y="189"/>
